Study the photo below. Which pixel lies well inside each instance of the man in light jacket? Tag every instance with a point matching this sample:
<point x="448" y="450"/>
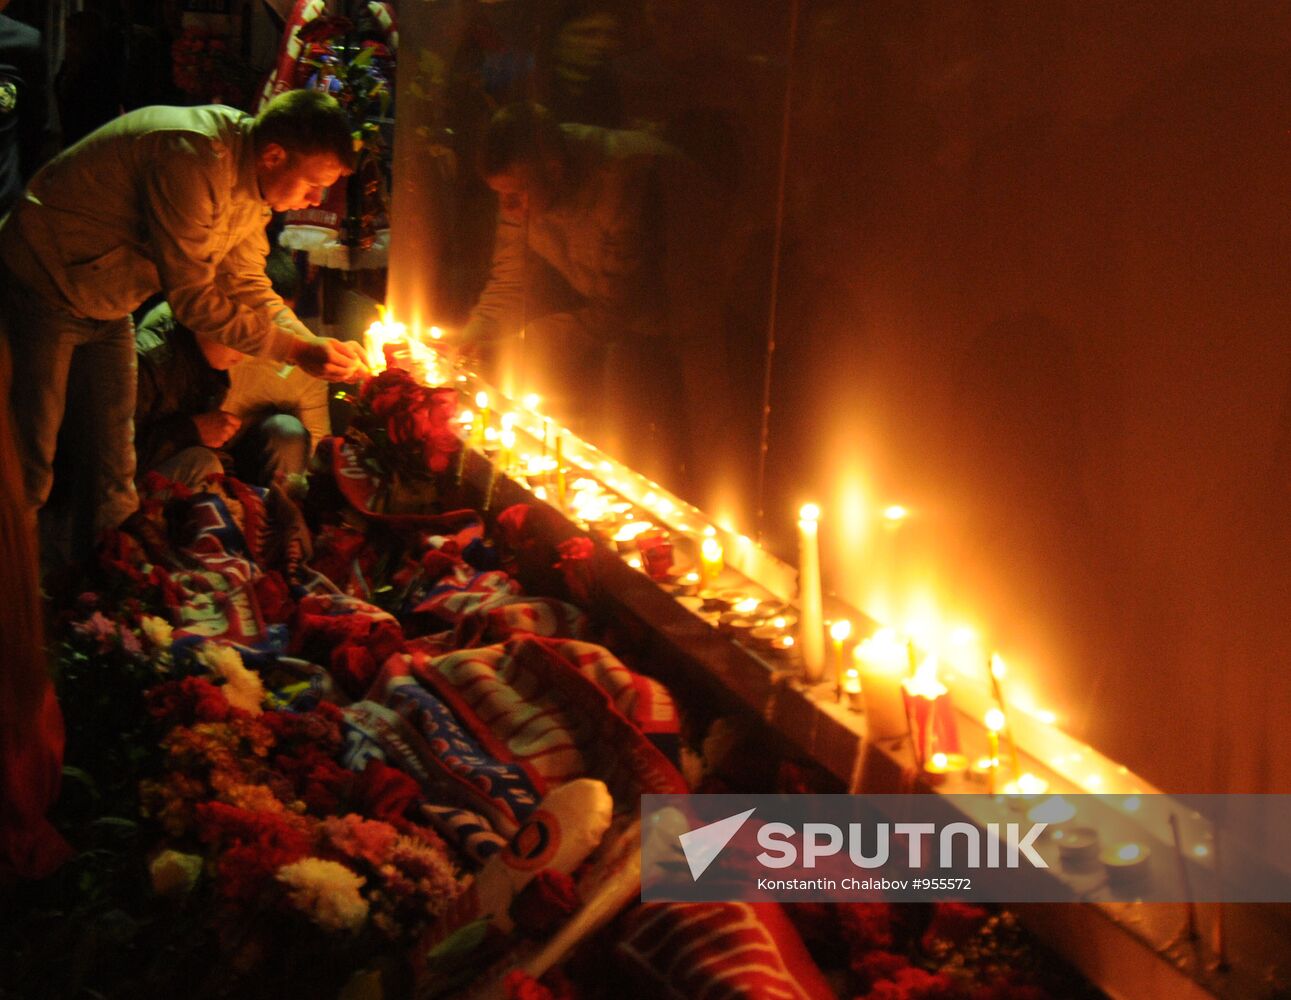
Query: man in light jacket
<point x="162" y="199"/>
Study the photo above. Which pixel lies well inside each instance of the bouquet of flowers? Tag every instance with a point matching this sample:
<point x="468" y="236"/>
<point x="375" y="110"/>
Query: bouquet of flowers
<point x="408" y="425"/>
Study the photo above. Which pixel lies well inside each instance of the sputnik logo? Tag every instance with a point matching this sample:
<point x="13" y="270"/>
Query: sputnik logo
<point x="702" y="846"/>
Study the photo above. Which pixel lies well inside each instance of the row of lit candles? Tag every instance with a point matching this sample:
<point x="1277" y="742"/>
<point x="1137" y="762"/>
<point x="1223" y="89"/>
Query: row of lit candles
<point x="898" y="694"/>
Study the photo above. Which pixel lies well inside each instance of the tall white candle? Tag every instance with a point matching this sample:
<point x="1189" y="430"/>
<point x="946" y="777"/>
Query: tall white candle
<point x="811" y="621"/>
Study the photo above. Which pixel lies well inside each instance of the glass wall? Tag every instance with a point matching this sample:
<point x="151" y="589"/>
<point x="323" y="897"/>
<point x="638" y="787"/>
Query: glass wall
<point x="1020" y="264"/>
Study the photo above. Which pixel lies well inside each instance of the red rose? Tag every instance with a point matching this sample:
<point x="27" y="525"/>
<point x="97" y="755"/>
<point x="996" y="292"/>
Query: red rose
<point x="545" y="903"/>
<point x="383" y="792"/>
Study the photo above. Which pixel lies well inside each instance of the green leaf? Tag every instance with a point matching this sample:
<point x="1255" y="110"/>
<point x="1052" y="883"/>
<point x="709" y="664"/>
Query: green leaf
<point x="83" y="778"/>
<point x="117" y="825"/>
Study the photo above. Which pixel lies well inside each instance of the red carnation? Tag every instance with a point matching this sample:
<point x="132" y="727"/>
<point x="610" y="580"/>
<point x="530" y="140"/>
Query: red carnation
<point x="194" y="699"/>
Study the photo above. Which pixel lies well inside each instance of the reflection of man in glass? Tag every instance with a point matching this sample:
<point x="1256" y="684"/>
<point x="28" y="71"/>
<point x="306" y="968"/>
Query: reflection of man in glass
<point x="579" y="262"/>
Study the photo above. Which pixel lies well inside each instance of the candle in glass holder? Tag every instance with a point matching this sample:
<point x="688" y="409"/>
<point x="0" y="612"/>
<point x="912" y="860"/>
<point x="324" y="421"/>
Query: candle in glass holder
<point x="784" y="647"/>
<point x="656" y="552"/>
<point x="625" y="539"/>
<point x="711" y="562"/>
<point x="1024" y="791"/>
<point x="851" y="685"/>
<point x="686" y="585"/>
<point x="881" y="661"/>
<point x="941" y="766"/>
<point x="738" y="626"/>
<point x="1077" y="846"/>
<point x="810" y="606"/>
<point x="1125" y="862"/>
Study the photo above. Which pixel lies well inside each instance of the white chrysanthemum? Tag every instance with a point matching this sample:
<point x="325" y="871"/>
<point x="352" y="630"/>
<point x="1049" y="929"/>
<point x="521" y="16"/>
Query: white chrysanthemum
<point x="174" y="873"/>
<point x="242" y="687"/>
<point x="158" y="631"/>
<point x="325" y="891"/>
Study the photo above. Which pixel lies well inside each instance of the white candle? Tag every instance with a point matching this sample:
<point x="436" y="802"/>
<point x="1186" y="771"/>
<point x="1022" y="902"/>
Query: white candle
<point x="881" y="660"/>
<point x="811" y="631"/>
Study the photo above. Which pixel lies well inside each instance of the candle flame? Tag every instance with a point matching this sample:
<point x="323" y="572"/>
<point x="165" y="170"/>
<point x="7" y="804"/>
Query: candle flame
<point x="925" y="683"/>
<point x="995" y="720"/>
<point x="809" y="512"/>
<point x="531" y="401"/>
<point x="883" y="652"/>
<point x="1030" y="784"/>
<point x="436" y="333"/>
<point x="998" y="669"/>
<point x="749" y="604"/>
<point x="939" y="759"/>
<point x="630" y="531"/>
<point x="895" y="513"/>
<point x="482" y="400"/>
<point x="711" y="549"/>
<point x="1129" y="852"/>
<point x="841" y="630"/>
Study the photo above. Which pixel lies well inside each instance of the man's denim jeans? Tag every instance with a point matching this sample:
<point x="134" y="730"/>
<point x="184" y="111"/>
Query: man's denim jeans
<point x="52" y="349"/>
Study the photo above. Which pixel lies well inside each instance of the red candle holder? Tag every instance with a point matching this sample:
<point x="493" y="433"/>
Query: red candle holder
<point x="932" y="724"/>
<point x="656" y="553"/>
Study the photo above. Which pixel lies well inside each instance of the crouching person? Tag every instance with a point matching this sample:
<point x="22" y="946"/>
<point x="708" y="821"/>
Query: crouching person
<point x="183" y="380"/>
